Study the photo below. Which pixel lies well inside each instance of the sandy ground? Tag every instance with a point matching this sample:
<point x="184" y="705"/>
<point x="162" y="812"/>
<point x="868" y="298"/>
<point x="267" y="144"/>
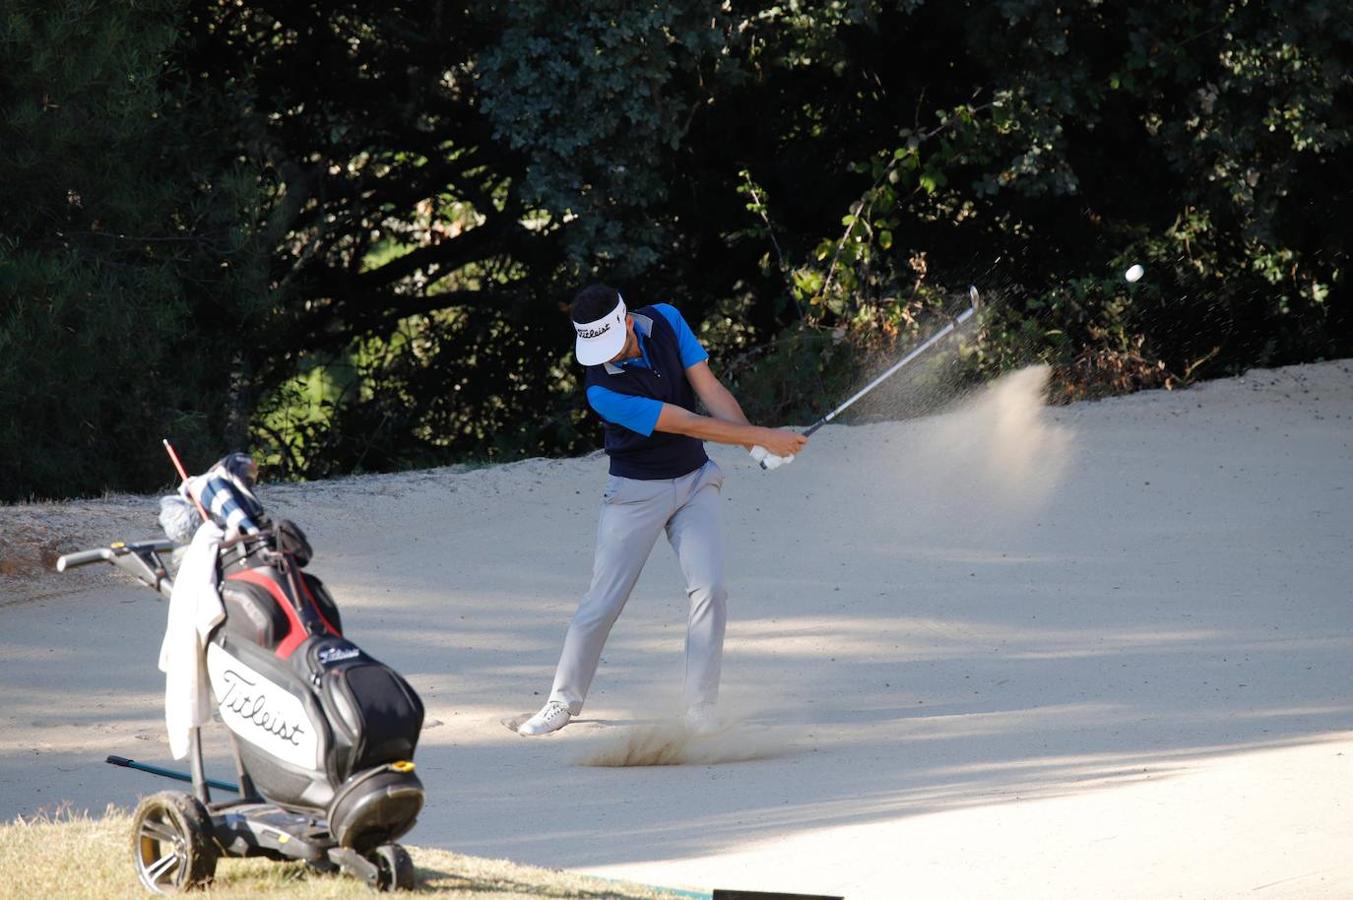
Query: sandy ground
<point x="1105" y="650"/>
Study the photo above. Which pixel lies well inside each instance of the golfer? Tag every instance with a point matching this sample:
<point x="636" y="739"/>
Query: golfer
<point x="645" y="370"/>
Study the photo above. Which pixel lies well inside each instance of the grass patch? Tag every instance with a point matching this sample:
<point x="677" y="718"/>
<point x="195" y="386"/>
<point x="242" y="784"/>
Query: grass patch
<point x="80" y="856"/>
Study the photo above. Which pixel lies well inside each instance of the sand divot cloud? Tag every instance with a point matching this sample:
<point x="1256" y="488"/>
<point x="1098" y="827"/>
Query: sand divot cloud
<point x="672" y="744"/>
<point x="1002" y="440"/>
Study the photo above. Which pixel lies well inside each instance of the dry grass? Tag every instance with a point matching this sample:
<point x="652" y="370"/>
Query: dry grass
<point x="79" y="856"/>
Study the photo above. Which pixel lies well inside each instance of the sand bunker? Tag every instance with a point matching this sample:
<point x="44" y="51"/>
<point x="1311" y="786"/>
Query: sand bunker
<point x="1125" y="696"/>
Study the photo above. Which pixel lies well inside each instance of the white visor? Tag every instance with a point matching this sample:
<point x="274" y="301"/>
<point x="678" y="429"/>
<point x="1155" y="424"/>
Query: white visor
<point x="600" y="341"/>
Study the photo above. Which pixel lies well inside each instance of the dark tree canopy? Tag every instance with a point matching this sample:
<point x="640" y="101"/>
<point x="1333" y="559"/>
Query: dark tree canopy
<point x="127" y="263"/>
<point x="346" y="234"/>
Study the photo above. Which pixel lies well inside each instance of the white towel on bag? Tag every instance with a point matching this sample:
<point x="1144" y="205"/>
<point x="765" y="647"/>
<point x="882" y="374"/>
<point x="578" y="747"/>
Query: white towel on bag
<point x="194" y="609"/>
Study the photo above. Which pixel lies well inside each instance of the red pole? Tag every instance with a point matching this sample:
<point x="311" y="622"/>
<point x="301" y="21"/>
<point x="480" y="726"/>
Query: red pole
<point x="174" y="458"/>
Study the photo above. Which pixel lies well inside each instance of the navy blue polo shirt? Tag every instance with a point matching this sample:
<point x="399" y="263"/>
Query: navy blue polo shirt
<point x="629" y="397"/>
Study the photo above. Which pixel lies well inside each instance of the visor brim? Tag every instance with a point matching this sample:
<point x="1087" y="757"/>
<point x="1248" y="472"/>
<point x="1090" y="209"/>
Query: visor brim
<point x="595" y="351"/>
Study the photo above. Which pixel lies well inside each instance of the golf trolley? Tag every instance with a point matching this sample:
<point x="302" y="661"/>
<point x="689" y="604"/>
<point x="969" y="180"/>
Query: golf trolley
<point x="322" y="735"/>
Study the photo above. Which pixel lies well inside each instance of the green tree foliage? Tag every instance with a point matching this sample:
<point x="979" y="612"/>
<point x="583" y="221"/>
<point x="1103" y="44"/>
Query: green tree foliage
<point x="401" y="244"/>
<point x="814" y="182"/>
<point x="124" y="264"/>
<point x="438" y="181"/>
<point x="597" y="99"/>
<point x="1040" y="149"/>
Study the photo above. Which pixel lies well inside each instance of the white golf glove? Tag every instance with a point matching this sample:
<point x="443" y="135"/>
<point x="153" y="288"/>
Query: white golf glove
<point x="769" y="460"/>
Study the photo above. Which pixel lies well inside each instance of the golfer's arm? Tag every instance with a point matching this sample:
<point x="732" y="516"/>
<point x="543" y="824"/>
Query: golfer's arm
<point x="717" y="399"/>
<point x="675" y="420"/>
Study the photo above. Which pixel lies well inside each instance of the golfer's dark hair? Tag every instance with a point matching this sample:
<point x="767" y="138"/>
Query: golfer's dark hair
<point x="593" y="302"/>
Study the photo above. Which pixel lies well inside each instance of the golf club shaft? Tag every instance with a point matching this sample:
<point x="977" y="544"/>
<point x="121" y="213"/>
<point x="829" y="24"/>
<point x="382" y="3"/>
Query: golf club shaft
<point x="168" y="773"/>
<point x="930" y="342"/>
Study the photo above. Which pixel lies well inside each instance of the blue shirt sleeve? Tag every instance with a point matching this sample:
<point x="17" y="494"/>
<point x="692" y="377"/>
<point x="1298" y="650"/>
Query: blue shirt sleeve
<point x="687" y="343"/>
<point x="638" y="414"/>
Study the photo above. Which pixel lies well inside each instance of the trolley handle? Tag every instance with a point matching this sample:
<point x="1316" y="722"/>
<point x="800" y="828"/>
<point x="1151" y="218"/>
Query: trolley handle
<point x="141" y="560"/>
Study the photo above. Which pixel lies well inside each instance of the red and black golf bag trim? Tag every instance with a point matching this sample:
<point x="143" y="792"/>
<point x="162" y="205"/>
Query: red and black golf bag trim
<point x="269" y="600"/>
<point x="279" y="606"/>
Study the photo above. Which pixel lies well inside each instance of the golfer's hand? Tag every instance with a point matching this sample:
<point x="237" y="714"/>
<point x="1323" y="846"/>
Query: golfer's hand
<point x="787" y="443"/>
<point x="768" y="460"/>
<point x="782" y="441"/>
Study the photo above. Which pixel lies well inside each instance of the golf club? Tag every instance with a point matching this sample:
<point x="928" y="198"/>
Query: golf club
<point x="974" y="300"/>
<point x="168" y="773"/>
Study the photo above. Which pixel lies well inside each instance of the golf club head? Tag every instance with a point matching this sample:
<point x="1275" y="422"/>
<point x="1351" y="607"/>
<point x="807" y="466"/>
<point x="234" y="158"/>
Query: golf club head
<point x="973" y="297"/>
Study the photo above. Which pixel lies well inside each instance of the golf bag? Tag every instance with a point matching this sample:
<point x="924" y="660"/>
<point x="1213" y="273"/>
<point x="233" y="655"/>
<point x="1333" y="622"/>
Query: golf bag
<point x="320" y="726"/>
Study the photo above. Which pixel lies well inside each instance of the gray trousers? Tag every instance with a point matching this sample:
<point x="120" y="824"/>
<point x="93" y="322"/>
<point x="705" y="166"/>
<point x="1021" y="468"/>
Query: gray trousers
<point x="633" y="513"/>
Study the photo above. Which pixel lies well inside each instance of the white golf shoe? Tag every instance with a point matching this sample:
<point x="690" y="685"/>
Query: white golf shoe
<point x="552" y="716"/>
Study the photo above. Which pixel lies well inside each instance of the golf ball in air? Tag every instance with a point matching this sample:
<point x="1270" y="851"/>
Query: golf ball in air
<point x="1134" y="273"/>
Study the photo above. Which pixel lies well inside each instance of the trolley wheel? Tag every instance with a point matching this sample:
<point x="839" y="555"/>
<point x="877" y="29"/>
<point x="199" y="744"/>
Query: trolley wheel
<point x="173" y="846"/>
<point x="395" y="868"/>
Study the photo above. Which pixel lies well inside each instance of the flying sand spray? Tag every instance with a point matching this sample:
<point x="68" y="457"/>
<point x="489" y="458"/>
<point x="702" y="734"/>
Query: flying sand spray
<point x="770" y="461"/>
